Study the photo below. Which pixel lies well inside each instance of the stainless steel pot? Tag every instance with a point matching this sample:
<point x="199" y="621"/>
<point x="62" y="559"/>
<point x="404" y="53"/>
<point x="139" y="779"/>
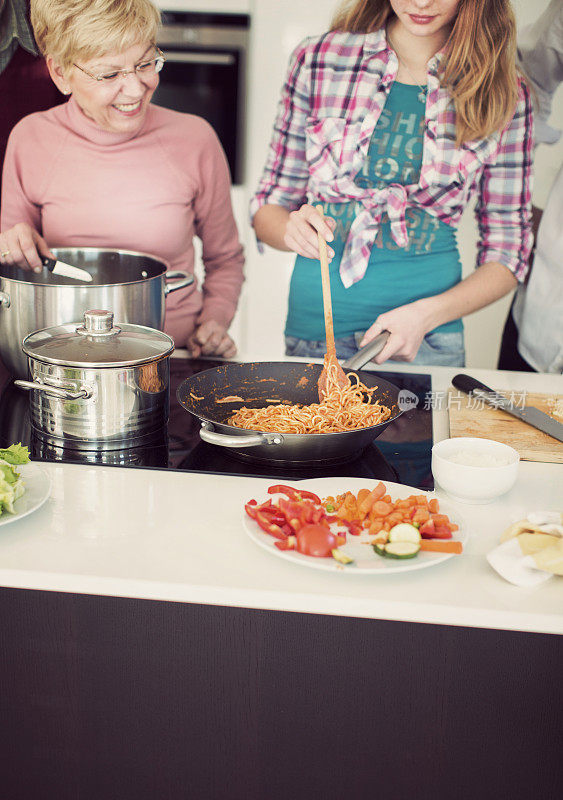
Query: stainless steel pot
<point x="133" y="285"/>
<point x="98" y="386"/>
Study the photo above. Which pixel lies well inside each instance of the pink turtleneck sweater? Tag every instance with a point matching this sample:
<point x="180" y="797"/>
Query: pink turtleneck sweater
<point x="153" y="191"/>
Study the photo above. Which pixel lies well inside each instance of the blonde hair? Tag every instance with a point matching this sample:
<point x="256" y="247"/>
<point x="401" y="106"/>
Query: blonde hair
<point x="73" y="30"/>
<point x="479" y="69"/>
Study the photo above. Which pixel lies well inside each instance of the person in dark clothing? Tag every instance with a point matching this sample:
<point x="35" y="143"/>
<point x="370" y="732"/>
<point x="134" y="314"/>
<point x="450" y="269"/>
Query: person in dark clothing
<point x="25" y="85"/>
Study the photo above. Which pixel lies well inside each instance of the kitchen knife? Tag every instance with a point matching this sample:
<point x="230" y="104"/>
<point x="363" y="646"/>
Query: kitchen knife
<point x="66" y="270"/>
<point x="533" y="416"/>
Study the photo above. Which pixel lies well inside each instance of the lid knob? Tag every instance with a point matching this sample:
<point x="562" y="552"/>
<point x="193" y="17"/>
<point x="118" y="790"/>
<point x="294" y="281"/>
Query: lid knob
<point x="98" y="322"/>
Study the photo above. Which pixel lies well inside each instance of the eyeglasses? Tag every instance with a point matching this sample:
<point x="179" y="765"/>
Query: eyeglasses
<point x="148" y="68"/>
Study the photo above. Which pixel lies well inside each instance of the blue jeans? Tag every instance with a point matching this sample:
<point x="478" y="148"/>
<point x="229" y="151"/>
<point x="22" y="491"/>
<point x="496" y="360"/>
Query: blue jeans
<point x="437" y="349"/>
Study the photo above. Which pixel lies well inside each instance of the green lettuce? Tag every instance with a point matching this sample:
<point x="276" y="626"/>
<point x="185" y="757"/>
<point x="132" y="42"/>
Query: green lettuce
<point x="15" y="454"/>
<point x="11" y="484"/>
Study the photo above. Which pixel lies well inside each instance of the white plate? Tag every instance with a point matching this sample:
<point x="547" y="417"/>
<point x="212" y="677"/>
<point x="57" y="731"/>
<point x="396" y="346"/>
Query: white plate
<point x="366" y="561"/>
<point x="37" y="490"/>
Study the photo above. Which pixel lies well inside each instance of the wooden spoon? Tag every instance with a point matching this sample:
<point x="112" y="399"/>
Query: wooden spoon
<point x="330" y="357"/>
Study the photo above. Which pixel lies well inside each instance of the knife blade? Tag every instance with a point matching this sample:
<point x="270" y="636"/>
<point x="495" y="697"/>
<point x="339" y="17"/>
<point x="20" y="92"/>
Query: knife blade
<point x="66" y="270"/>
<point x="529" y="414"/>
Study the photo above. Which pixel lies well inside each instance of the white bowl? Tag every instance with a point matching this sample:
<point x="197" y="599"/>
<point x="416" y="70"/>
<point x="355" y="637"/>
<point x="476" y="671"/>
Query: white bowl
<point x="474" y="484"/>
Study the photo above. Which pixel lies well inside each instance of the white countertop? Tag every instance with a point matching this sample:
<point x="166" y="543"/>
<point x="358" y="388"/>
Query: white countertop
<point x="178" y="536"/>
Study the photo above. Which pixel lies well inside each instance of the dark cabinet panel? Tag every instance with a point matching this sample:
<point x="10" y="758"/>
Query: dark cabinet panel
<point x="108" y="698"/>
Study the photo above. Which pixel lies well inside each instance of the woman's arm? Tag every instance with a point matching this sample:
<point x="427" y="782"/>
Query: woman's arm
<point x="222" y="253"/>
<point x="20" y="220"/>
<point x="285" y="177"/>
<point x="410" y="323"/>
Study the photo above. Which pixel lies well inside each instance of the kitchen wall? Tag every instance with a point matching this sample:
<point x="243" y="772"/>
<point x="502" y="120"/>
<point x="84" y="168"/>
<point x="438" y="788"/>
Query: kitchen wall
<point x="277" y="26"/>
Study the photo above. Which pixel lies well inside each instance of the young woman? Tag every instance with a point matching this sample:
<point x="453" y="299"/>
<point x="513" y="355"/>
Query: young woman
<point x="392" y="121"/>
<point x="109" y="169"/>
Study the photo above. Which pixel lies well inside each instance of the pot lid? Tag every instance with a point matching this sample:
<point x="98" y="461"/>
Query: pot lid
<point x="97" y="343"/>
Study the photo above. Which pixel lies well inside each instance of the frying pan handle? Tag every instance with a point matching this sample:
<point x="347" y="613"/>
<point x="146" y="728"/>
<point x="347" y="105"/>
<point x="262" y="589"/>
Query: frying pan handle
<point x="367" y="352"/>
<point x="210" y="436"/>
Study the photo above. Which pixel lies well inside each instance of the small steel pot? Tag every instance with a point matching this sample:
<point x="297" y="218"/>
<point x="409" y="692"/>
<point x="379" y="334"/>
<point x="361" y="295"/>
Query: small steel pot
<point x="133" y="285"/>
<point x="98" y="386"/>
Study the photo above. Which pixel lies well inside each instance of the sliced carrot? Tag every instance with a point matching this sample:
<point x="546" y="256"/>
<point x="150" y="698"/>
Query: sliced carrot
<point x="362" y="494"/>
<point x="441" y="546"/>
<point x="421" y="500"/>
<point x="403" y="504"/>
<point x="376" y="526"/>
<point x="433" y="505"/>
<point x="366" y="504"/>
<point x="421" y="516"/>
<point x="382" y="508"/>
<point x="386" y="498"/>
<point x="440" y="519"/>
<point x="452" y="526"/>
<point x="394" y="518"/>
<point x="350" y="500"/>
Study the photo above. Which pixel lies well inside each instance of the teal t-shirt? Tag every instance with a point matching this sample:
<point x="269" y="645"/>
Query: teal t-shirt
<point x="429" y="264"/>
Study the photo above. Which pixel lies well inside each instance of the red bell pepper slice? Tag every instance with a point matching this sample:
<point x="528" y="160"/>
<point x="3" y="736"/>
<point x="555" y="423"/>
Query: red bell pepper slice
<point x="429" y="530"/>
<point x="301" y="513"/>
<point x="442" y="532"/>
<point x="288" y="544"/>
<point x="270" y="527"/>
<point x="252" y="507"/>
<point x="293" y="493"/>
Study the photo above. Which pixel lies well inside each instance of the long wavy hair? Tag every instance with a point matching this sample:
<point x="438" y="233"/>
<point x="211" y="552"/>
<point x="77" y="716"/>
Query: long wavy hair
<point x="479" y="69"/>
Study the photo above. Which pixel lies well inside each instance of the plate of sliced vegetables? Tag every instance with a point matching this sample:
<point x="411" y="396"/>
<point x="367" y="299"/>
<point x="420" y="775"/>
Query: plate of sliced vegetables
<point x="355" y="525"/>
<point x="24" y="486"/>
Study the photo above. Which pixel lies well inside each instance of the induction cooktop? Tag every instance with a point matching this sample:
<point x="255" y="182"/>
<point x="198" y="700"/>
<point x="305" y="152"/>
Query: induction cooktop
<point x="402" y="453"/>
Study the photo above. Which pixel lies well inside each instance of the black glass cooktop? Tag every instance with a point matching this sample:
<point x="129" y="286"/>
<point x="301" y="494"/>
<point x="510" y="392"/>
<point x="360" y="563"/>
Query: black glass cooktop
<point x="402" y="453"/>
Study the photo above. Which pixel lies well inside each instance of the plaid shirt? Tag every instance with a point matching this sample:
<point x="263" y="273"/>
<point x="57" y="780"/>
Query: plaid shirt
<point x="14" y="29"/>
<point x="336" y="88"/>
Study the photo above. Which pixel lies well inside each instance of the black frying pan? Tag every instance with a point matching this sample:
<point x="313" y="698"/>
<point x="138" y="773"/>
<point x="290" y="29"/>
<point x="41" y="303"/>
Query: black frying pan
<point x="290" y="382"/>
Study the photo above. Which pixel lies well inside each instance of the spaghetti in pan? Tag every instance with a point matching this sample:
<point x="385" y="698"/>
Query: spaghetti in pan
<point x="345" y="408"/>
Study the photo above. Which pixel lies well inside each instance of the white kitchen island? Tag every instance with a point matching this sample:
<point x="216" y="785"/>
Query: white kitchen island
<point x="147" y="650"/>
<point x="178" y="536"/>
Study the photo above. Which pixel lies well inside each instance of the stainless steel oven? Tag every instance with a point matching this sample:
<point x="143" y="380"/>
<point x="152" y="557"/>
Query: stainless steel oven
<point x="205" y="74"/>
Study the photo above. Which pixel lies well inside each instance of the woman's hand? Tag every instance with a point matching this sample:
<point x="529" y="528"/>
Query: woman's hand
<point x="211" y="338"/>
<point x="408" y="325"/>
<point x="23" y="247"/>
<point x="301" y="232"/>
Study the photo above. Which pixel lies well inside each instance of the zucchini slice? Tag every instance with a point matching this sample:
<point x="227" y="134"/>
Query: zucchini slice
<point x="341" y="557"/>
<point x="401" y="549"/>
<point x="404" y="532"/>
<point x="380" y="548"/>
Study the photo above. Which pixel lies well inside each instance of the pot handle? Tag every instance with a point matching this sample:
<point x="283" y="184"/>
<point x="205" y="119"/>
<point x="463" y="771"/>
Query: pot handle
<point x="210" y="436"/>
<point x="185" y="280"/>
<point x="54" y="391"/>
<point x="4" y="300"/>
<point x="367" y="352"/>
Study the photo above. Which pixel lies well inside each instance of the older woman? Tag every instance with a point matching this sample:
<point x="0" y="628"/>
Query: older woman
<point x="110" y="169"/>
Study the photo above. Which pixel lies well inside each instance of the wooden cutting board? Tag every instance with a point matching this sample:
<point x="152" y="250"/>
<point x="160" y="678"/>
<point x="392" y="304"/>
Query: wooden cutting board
<point x="470" y="417"/>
